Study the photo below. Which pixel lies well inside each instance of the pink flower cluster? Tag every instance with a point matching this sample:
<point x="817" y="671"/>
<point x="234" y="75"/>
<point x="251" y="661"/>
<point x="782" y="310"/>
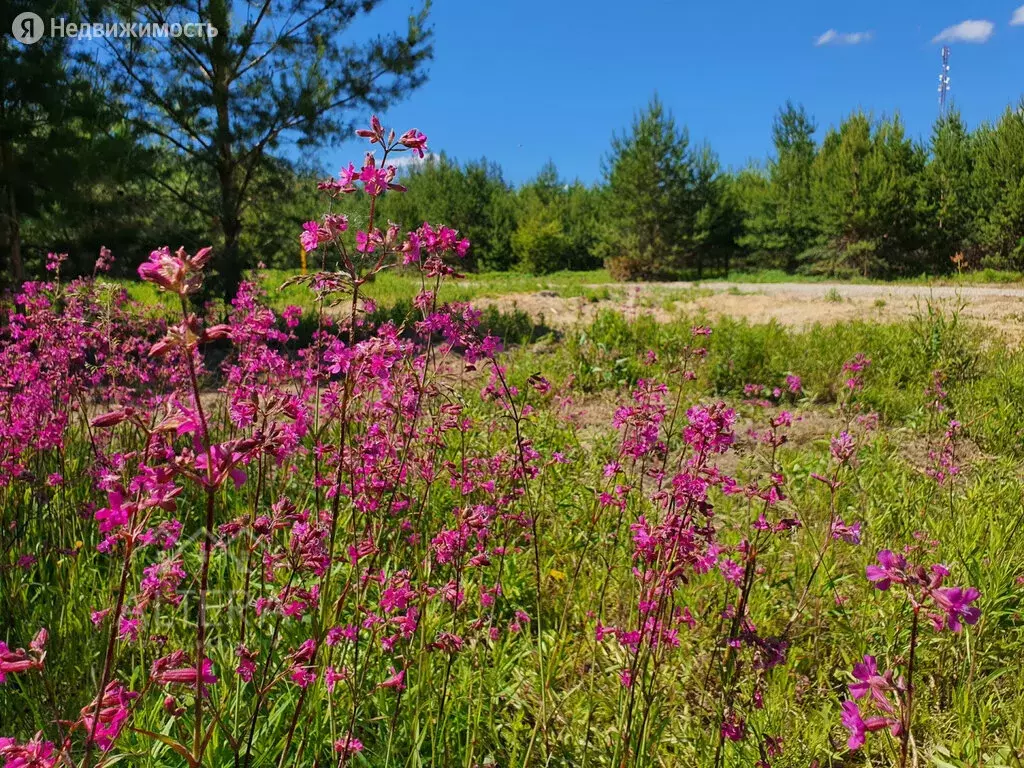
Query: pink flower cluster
<point x="883" y="697"/>
<point x="18" y="661"/>
<point x="309" y="532"/>
<point x="945" y="607"/>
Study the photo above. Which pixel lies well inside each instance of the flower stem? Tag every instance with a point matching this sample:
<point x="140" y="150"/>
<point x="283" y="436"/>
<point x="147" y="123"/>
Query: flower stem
<point x="909" y="709"/>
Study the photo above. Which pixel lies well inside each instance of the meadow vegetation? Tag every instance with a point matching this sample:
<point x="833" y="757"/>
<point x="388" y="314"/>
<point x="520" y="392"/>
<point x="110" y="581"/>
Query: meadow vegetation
<point x="352" y="521"/>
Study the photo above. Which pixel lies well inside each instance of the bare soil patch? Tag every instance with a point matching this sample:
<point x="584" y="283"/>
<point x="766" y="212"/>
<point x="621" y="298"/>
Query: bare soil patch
<point x="795" y="305"/>
<point x="560" y="312"/>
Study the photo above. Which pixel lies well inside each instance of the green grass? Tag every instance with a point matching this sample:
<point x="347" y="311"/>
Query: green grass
<point x="389" y="287"/>
<point x="970" y="709"/>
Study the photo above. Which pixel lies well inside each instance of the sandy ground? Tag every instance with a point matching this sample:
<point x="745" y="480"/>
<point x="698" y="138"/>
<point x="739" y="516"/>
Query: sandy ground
<point x="797" y="305"/>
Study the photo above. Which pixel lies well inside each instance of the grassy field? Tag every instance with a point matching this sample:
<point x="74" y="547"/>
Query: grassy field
<point x="543" y="558"/>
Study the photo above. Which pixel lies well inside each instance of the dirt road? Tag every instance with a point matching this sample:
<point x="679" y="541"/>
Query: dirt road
<point x="798" y="305"/>
<point x="821" y="290"/>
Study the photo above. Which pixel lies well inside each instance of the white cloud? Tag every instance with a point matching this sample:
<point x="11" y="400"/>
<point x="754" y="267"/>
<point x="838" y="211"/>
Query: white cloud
<point x="970" y="31"/>
<point x="1018" y="17"/>
<point x="831" y="37"/>
<point x="410" y="159"/>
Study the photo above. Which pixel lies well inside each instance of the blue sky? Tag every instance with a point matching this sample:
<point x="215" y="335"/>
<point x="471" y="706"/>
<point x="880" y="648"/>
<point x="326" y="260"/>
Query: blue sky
<point x="524" y="81"/>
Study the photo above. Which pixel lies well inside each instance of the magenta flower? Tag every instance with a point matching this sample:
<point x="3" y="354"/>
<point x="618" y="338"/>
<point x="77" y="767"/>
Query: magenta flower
<point x="857" y="366"/>
<point x="414" y="140"/>
<point x="375" y="180"/>
<point x="848" y="533"/>
<point x="32" y="754"/>
<point x="364" y="243"/>
<point x="955" y="602"/>
<point x="854" y="723"/>
<point x="179" y="272"/>
<point x="395" y="681"/>
<point x="348" y="175"/>
<point x="925" y="586"/>
<point x="375" y="133"/>
<point x="891" y="569"/>
<point x="105" y="726"/>
<point x="869" y="681"/>
<point x="710" y="428"/>
<point x="116" y="514"/>
<point x="733" y="727"/>
<point x="20" y="660"/>
<point x="112" y="418"/>
<point x="246" y="668"/>
<point x="310" y="237"/>
<point x="54" y="260"/>
<point x="179" y="669"/>
<point x="105" y="260"/>
<point x="843" y="447"/>
<point x="859" y="726"/>
<point x="333" y="676"/>
<point x="731" y="570"/>
<point x="348" y="746"/>
<point x="226" y="459"/>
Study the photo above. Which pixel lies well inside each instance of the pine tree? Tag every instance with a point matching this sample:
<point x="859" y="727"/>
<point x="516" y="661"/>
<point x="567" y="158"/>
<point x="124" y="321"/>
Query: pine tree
<point x="790" y="175"/>
<point x="716" y="219"/>
<point x="650" y="211"/>
<point x="775" y="203"/>
<point x="947" y="193"/>
<point x="759" y="239"/>
<point x="864" y="196"/>
<point x="274" y="74"/>
<point x="555" y="224"/>
<point x="998" y="176"/>
<point x="63" y="149"/>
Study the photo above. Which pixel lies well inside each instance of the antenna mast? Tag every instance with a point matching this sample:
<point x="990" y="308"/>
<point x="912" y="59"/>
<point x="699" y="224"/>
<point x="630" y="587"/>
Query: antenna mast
<point x="944" y="80"/>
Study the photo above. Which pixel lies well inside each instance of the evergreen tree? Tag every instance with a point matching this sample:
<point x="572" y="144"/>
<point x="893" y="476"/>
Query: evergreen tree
<point x="715" y="221"/>
<point x="67" y="160"/>
<point x="540" y="243"/>
<point x="947" y="191"/>
<point x="285" y="195"/>
<point x="790" y="175"/>
<point x="273" y="74"/>
<point x="999" y="183"/>
<point x="555" y="224"/>
<point x="650" y="210"/>
<point x="759" y="239"/>
<point x="778" y="223"/>
<point x="581" y="214"/>
<point x="864" y="193"/>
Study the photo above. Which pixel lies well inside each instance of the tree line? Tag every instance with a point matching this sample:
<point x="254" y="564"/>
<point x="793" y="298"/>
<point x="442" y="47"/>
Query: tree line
<point x="865" y="200"/>
<point x="132" y="143"/>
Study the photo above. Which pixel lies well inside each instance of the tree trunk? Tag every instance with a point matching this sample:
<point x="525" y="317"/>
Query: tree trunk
<point x="230" y="260"/>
